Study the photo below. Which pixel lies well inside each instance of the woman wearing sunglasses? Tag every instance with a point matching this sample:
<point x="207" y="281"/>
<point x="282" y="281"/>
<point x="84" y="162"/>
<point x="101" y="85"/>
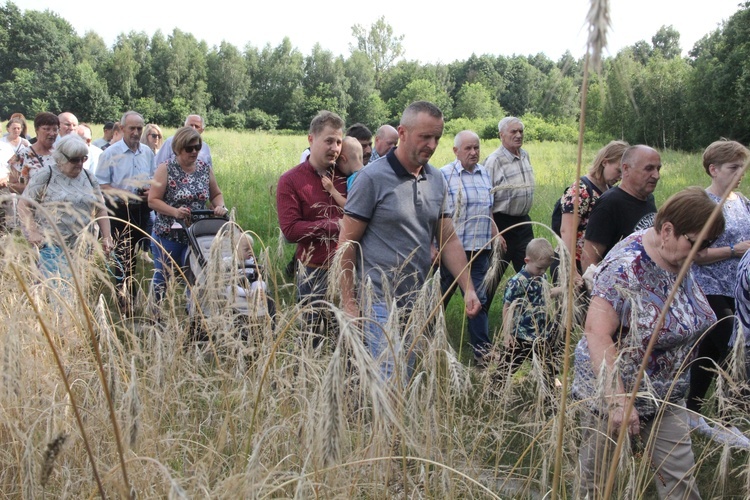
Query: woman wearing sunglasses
<point x="152" y="137"/>
<point x="716" y="271"/>
<point x="71" y="199"/>
<point x="180" y="185"/>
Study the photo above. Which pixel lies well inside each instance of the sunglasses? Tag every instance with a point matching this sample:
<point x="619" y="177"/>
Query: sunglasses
<point x="77" y="159"/>
<point x="154" y="136"/>
<point x="704" y="244"/>
<point x="190" y="149"/>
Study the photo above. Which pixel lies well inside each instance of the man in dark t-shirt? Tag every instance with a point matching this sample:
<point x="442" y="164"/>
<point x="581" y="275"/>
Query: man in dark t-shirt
<point x="625" y="208"/>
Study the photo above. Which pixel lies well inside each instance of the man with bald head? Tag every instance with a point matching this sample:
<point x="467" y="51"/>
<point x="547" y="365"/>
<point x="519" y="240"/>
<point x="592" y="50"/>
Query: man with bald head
<point x="470" y="203"/>
<point x="68" y="123"/>
<point x="624" y="208"/>
<point x="197" y="122"/>
<point x="386" y="139"/>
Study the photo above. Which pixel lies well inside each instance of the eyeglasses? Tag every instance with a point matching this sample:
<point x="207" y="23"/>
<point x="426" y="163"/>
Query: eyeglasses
<point x="155" y="136"/>
<point x="704" y="244"/>
<point x="77" y="159"/>
<point x="190" y="149"/>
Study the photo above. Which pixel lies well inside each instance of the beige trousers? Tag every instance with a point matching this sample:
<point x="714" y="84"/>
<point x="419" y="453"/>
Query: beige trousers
<point x="666" y="443"/>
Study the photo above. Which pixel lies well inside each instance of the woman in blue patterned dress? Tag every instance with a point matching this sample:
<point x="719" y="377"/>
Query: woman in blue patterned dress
<point x="629" y="294"/>
<point x="180" y="185"/>
<point x="716" y="269"/>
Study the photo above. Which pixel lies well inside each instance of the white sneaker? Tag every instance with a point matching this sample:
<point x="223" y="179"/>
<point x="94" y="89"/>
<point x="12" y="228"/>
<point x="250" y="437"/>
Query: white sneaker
<point x="700" y="425"/>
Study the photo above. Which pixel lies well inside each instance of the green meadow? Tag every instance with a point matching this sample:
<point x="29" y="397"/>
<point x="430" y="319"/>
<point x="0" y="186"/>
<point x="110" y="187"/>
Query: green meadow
<point x="96" y="404"/>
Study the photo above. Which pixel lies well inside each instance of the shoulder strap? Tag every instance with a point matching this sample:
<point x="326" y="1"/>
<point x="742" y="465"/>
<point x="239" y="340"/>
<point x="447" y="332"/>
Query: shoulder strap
<point x="590" y="186"/>
<point x="88" y="176"/>
<point x="43" y="192"/>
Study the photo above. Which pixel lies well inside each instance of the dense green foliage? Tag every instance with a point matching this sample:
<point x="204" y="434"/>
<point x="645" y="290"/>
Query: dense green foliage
<point x="647" y="93"/>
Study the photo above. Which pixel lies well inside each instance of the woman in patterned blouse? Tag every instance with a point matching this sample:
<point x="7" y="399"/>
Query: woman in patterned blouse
<point x="630" y="292"/>
<point x="71" y="198"/>
<point x="180" y="185"/>
<point x="716" y="269"/>
<point x="603" y="174"/>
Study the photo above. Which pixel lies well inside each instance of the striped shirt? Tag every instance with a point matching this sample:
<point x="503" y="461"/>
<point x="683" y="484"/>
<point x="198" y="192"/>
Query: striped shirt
<point x="470" y="204"/>
<point x="512" y="181"/>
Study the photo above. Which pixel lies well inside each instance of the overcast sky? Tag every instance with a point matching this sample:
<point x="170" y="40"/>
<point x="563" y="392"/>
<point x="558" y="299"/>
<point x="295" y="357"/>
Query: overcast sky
<point x="433" y="33"/>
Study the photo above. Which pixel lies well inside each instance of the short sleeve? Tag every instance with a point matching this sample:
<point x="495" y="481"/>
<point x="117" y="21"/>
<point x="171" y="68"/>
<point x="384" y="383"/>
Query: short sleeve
<point x="362" y="199"/>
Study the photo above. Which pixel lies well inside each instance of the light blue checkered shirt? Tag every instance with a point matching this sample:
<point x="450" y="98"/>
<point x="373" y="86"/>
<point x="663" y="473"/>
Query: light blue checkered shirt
<point x="470" y="203"/>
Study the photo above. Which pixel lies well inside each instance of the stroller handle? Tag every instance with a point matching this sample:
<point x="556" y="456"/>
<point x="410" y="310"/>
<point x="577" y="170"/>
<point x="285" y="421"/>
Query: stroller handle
<point x="204" y="213"/>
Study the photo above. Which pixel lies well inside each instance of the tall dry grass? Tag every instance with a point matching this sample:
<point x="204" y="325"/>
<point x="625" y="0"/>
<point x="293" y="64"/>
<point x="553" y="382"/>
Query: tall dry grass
<point x="269" y="416"/>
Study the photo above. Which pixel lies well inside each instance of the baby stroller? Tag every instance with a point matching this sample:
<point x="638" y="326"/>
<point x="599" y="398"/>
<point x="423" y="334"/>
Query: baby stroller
<point x="224" y="278"/>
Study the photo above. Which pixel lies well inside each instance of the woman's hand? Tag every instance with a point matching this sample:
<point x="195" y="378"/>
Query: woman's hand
<point x="741" y="247"/>
<point x="34" y="236"/>
<point x="182" y="213"/>
<point x="617" y="414"/>
<point x="220" y="211"/>
<point x="107" y="244"/>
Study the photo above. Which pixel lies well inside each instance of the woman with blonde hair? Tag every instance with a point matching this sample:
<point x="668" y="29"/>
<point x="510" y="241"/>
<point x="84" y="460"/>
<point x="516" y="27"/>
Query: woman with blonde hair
<point x="152" y="137"/>
<point x="603" y="174"/>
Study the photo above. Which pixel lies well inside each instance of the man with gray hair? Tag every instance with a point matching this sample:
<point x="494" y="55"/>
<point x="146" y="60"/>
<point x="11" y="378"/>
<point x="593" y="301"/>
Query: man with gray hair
<point x="386" y="139"/>
<point x="123" y="172"/>
<point x="513" y="186"/>
<point x="393" y="213"/>
<point x="470" y="205"/>
<point x="199" y="124"/>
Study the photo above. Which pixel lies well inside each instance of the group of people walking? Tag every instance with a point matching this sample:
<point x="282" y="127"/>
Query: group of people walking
<point x="392" y="219"/>
<point x="120" y="192"/>
<point x="403" y="219"/>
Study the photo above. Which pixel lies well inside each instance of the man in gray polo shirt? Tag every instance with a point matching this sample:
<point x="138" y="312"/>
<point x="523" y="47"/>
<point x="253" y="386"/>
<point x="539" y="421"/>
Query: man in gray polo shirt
<point x="393" y="213"/>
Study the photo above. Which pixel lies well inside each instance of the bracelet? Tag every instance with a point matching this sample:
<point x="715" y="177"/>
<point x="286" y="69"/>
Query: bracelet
<point x="731" y="251"/>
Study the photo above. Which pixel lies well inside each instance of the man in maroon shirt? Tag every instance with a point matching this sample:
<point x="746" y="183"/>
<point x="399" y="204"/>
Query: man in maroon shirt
<point x="308" y="214"/>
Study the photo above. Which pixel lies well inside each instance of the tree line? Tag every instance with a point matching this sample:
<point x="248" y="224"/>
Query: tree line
<point x="647" y="93"/>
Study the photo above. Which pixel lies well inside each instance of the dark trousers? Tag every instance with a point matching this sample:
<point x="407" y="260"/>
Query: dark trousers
<point x="712" y="351"/>
<point x="134" y="215"/>
<point x="478" y="326"/>
<point x="312" y="287"/>
<point x="516" y="239"/>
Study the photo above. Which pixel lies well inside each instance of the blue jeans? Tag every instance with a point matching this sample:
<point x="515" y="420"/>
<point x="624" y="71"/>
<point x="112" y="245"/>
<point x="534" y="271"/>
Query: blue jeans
<point x="52" y="262"/>
<point x="479" y="326"/>
<point x="377" y="338"/>
<point x="163" y="264"/>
